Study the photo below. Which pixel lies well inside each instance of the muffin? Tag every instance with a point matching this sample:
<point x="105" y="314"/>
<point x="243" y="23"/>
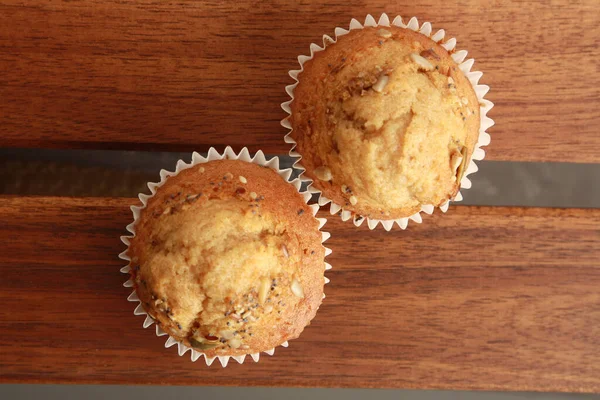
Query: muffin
<point x="227" y="259"/>
<point x="385" y="122"/>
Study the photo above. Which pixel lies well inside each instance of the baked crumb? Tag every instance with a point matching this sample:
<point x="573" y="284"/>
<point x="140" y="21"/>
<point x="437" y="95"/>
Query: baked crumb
<point x="385" y="124"/>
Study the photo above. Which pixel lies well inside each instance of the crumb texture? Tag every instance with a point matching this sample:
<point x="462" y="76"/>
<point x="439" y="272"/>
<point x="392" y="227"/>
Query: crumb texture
<point x="223" y="265"/>
<point x="386" y="113"/>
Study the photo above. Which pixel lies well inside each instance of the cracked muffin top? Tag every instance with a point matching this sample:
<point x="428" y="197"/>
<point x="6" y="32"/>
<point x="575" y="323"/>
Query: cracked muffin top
<point x="227" y="258"/>
<point x="385" y="122"/>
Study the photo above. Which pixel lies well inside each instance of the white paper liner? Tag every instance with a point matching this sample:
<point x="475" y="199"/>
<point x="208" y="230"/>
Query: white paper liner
<point x="464" y="65"/>
<point x="229" y="154"/>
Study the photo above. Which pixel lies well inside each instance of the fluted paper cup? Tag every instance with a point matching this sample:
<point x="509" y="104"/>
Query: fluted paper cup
<point x="465" y="65"/>
<point x="244" y="155"/>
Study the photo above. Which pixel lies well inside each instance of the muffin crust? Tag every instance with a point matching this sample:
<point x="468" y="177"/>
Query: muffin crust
<point x="227" y="258"/>
<point x="385" y="122"/>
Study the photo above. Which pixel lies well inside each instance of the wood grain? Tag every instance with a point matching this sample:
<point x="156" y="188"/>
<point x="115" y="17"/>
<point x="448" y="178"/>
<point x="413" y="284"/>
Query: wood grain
<point x="182" y="76"/>
<point x="481" y="298"/>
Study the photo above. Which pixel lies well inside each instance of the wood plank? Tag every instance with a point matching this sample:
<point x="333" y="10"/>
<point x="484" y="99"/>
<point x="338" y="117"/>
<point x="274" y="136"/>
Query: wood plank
<point x="182" y="76"/>
<point x="489" y="298"/>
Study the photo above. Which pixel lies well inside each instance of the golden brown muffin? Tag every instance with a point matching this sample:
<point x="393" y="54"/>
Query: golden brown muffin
<point x="227" y="258"/>
<point x="385" y="122"/>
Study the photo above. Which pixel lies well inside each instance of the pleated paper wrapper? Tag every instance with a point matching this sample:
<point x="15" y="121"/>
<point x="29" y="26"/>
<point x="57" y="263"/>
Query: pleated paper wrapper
<point x="244" y="155"/>
<point x="465" y="65"/>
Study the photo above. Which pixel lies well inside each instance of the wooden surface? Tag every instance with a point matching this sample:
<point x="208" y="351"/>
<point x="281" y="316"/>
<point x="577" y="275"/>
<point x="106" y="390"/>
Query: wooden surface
<point x="181" y="76"/>
<point x="480" y="298"/>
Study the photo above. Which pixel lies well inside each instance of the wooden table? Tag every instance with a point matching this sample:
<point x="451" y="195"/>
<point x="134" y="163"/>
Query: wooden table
<point x="490" y="298"/>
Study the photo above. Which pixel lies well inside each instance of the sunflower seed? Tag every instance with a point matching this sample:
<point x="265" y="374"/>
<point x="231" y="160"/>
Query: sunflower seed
<point x="422" y="62"/>
<point x="384" y="33"/>
<point x="297" y="289"/>
<point x="263" y="290"/>
<point x="380" y="84"/>
<point x="226" y="334"/>
<point x="323" y="174"/>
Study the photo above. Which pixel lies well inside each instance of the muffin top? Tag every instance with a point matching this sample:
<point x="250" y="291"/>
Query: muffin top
<point x="385" y="122"/>
<point x="227" y="258"/>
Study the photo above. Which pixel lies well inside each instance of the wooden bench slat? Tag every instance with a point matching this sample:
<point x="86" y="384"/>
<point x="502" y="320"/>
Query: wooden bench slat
<point x="184" y="76"/>
<point x="489" y="298"/>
